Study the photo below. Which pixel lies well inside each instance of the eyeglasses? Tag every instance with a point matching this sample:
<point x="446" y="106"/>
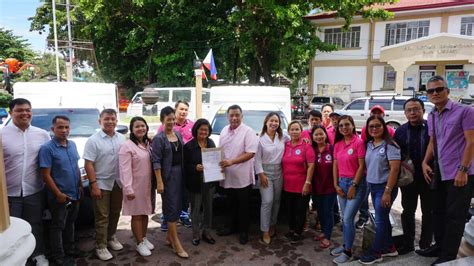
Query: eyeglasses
<point x="345" y="125"/>
<point x="413" y="110"/>
<point x="438" y="90"/>
<point x="378" y="126"/>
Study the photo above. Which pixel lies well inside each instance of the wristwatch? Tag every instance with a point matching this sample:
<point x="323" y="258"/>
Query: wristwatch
<point x="354" y="184"/>
<point x="462" y="168"/>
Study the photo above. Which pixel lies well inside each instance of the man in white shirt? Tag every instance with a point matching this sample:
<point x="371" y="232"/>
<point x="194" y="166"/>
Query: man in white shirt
<point x="21" y="143"/>
<point x="101" y="165"/>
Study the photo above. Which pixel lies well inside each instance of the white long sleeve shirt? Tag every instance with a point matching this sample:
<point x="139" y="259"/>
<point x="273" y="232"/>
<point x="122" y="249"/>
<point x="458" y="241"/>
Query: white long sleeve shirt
<point x="269" y="152"/>
<point x="20" y="152"/>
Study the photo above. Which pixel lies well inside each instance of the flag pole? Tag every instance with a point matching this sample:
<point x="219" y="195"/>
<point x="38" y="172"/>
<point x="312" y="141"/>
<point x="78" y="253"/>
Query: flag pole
<point x="198" y="75"/>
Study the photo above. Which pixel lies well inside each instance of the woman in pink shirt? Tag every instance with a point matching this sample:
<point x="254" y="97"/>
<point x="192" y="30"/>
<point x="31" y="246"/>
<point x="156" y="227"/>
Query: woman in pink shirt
<point x="349" y="181"/>
<point x="324" y="193"/>
<point x="297" y="168"/>
<point x="136" y="174"/>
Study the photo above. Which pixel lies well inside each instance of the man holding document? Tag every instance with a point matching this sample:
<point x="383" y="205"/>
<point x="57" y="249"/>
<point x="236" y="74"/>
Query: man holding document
<point x="239" y="144"/>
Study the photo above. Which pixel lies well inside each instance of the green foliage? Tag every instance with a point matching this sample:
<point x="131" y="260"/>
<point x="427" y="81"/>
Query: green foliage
<point x="12" y="46"/>
<point x="138" y="42"/>
<point x="5" y="99"/>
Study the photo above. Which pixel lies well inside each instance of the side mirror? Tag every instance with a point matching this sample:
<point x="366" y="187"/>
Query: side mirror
<point x="121" y="129"/>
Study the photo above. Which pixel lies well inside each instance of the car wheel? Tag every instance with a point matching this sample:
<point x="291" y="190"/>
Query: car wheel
<point x="394" y="125"/>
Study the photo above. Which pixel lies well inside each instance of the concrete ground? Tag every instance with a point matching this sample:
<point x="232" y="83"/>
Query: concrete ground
<point x="228" y="251"/>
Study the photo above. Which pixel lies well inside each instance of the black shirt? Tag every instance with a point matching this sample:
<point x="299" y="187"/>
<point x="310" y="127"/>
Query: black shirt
<point x="177" y="148"/>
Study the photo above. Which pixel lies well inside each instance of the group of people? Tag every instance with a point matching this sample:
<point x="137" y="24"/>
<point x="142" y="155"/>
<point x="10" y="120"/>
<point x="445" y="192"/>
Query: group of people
<point x="329" y="163"/>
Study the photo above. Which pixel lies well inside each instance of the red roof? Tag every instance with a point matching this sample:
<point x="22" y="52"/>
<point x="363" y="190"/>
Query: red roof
<point x="405" y="5"/>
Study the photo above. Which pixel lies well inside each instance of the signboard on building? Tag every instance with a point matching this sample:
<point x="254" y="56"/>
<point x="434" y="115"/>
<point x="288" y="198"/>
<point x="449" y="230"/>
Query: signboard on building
<point x="457" y="79"/>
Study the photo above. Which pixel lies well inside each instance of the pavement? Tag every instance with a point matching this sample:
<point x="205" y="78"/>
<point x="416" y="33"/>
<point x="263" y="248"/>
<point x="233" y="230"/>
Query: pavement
<point x="228" y="250"/>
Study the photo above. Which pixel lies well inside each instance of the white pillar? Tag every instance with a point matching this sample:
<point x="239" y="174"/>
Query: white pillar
<point x="198" y="75"/>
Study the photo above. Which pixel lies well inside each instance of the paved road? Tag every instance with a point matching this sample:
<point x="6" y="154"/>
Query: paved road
<point x="227" y="250"/>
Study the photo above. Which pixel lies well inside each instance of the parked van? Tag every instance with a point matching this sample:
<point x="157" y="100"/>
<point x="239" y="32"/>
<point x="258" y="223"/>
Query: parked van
<point x="168" y="97"/>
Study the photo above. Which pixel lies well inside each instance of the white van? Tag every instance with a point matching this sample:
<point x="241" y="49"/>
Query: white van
<point x="168" y="97"/>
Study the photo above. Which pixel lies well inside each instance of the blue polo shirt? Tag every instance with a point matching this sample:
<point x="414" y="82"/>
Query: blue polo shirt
<point x="63" y="162"/>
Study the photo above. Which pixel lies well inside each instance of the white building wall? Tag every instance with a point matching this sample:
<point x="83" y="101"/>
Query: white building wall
<point x="377" y="77"/>
<point x="411" y="78"/>
<point x="353" y="76"/>
<point x="379" y="36"/>
<point x="350" y="54"/>
<point x="454" y="23"/>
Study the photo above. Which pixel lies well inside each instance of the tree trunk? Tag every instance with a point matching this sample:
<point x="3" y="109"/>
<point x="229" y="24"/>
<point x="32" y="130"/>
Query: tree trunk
<point x="236" y="63"/>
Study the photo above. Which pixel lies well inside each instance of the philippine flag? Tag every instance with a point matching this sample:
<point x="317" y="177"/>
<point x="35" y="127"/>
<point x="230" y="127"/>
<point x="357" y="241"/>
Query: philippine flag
<point x="209" y="63"/>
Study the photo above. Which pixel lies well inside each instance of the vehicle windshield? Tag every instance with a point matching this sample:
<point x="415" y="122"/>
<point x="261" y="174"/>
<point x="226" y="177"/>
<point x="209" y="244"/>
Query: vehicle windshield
<point x="253" y="119"/>
<point x="84" y="121"/>
<point x="320" y="100"/>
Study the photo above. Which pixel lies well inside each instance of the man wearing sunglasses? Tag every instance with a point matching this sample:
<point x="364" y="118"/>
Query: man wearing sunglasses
<point x="454" y="132"/>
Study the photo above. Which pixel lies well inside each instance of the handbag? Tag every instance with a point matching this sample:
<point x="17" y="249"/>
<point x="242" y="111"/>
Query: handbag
<point x="407" y="170"/>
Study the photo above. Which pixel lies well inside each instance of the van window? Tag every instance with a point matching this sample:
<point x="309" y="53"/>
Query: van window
<point x="206" y="97"/>
<point x="252" y="118"/>
<point x="320" y="100"/>
<point x="137" y="98"/>
<point x="385" y="103"/>
<point x="164" y="96"/>
<point x="338" y="101"/>
<point x="357" y="105"/>
<point x="183" y="95"/>
<point x="398" y="105"/>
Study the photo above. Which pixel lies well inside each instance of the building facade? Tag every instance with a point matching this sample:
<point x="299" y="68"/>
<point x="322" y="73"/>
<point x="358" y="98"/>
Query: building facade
<point x="424" y="38"/>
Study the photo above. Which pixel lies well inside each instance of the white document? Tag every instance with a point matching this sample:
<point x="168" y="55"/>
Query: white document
<point x="211" y="157"/>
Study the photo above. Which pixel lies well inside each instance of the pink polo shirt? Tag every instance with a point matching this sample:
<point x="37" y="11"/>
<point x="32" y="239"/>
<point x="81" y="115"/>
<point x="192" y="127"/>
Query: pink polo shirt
<point x="234" y="143"/>
<point x="348" y="155"/>
<point x="294" y="164"/>
<point x="185" y="130"/>
<point x="331" y="134"/>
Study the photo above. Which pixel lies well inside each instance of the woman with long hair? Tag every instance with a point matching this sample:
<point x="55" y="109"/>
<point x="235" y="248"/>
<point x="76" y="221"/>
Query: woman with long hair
<point x="167" y="158"/>
<point x="349" y="181"/>
<point x="201" y="194"/>
<point x="270" y="150"/>
<point x="297" y="168"/>
<point x="383" y="165"/>
<point x="135" y="175"/>
<point x="324" y="193"/>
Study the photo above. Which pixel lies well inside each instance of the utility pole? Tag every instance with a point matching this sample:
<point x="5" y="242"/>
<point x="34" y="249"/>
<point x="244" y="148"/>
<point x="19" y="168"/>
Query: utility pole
<point x="56" y="42"/>
<point x="69" y="35"/>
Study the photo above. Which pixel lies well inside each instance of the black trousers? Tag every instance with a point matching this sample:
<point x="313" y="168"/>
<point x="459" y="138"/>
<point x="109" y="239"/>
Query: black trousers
<point x="297" y="206"/>
<point x="410" y="194"/>
<point x="238" y="206"/>
<point x="451" y="205"/>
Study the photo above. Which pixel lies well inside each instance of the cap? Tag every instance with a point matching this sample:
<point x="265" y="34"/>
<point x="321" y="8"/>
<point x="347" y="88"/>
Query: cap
<point x="335" y="113"/>
<point x="377" y="107"/>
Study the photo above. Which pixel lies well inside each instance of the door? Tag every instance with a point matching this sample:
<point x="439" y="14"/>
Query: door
<point x="425" y="75"/>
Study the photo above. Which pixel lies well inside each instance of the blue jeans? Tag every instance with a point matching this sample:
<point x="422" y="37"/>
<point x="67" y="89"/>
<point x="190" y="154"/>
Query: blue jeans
<point x="325" y="208"/>
<point x="349" y="208"/>
<point x="383" y="228"/>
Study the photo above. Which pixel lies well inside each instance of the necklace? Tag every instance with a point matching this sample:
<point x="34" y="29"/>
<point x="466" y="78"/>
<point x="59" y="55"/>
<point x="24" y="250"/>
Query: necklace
<point x="176" y="146"/>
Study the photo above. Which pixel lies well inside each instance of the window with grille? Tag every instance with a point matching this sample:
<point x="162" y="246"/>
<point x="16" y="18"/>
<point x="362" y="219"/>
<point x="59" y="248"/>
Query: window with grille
<point x="467" y="24"/>
<point x="343" y="39"/>
<point x="406" y="31"/>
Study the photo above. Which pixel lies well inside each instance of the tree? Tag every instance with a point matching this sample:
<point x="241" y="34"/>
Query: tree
<point x="147" y="41"/>
<point x="12" y="46"/>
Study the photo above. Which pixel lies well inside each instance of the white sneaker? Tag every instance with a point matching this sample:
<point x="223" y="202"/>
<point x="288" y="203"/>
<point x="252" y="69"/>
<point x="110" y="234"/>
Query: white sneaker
<point x="143" y="250"/>
<point x="103" y="254"/>
<point x="148" y="244"/>
<point x="114" y="244"/>
<point x="41" y="260"/>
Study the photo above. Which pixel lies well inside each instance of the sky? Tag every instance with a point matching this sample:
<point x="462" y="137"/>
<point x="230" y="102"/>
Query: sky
<point x="14" y="16"/>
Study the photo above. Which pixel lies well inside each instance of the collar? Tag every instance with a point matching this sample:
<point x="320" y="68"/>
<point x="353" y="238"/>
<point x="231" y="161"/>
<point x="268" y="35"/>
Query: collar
<point x="56" y="142"/>
<point x="449" y="105"/>
<point x="18" y="129"/>
<point x="353" y="139"/>
<point x="186" y="121"/>
<point x="104" y="135"/>
<point x="236" y="130"/>
<point x="265" y="135"/>
<point x="300" y="142"/>
<point x="376" y="147"/>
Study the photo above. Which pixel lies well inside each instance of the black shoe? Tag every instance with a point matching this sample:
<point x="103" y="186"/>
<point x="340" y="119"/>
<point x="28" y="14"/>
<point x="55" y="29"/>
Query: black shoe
<point x="208" y="239"/>
<point x="296" y="238"/>
<point x="64" y="261"/>
<point x="225" y="232"/>
<point x="289" y="235"/>
<point x="433" y="251"/>
<point x="244" y="238"/>
<point x="196" y="241"/>
<point x="441" y="260"/>
<point x="405" y="250"/>
<point x="361" y="223"/>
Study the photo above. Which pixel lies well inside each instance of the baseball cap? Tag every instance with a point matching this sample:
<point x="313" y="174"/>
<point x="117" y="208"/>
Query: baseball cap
<point x="377" y="107"/>
<point x="335" y="113"/>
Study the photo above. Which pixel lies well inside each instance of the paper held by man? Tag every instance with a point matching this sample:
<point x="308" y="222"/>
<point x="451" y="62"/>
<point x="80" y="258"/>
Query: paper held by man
<point x="211" y="157"/>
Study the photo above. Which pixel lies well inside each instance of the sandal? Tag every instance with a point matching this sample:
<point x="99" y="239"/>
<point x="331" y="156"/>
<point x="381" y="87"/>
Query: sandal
<point x="319" y="237"/>
<point x="324" y="243"/>
<point x="265" y="241"/>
